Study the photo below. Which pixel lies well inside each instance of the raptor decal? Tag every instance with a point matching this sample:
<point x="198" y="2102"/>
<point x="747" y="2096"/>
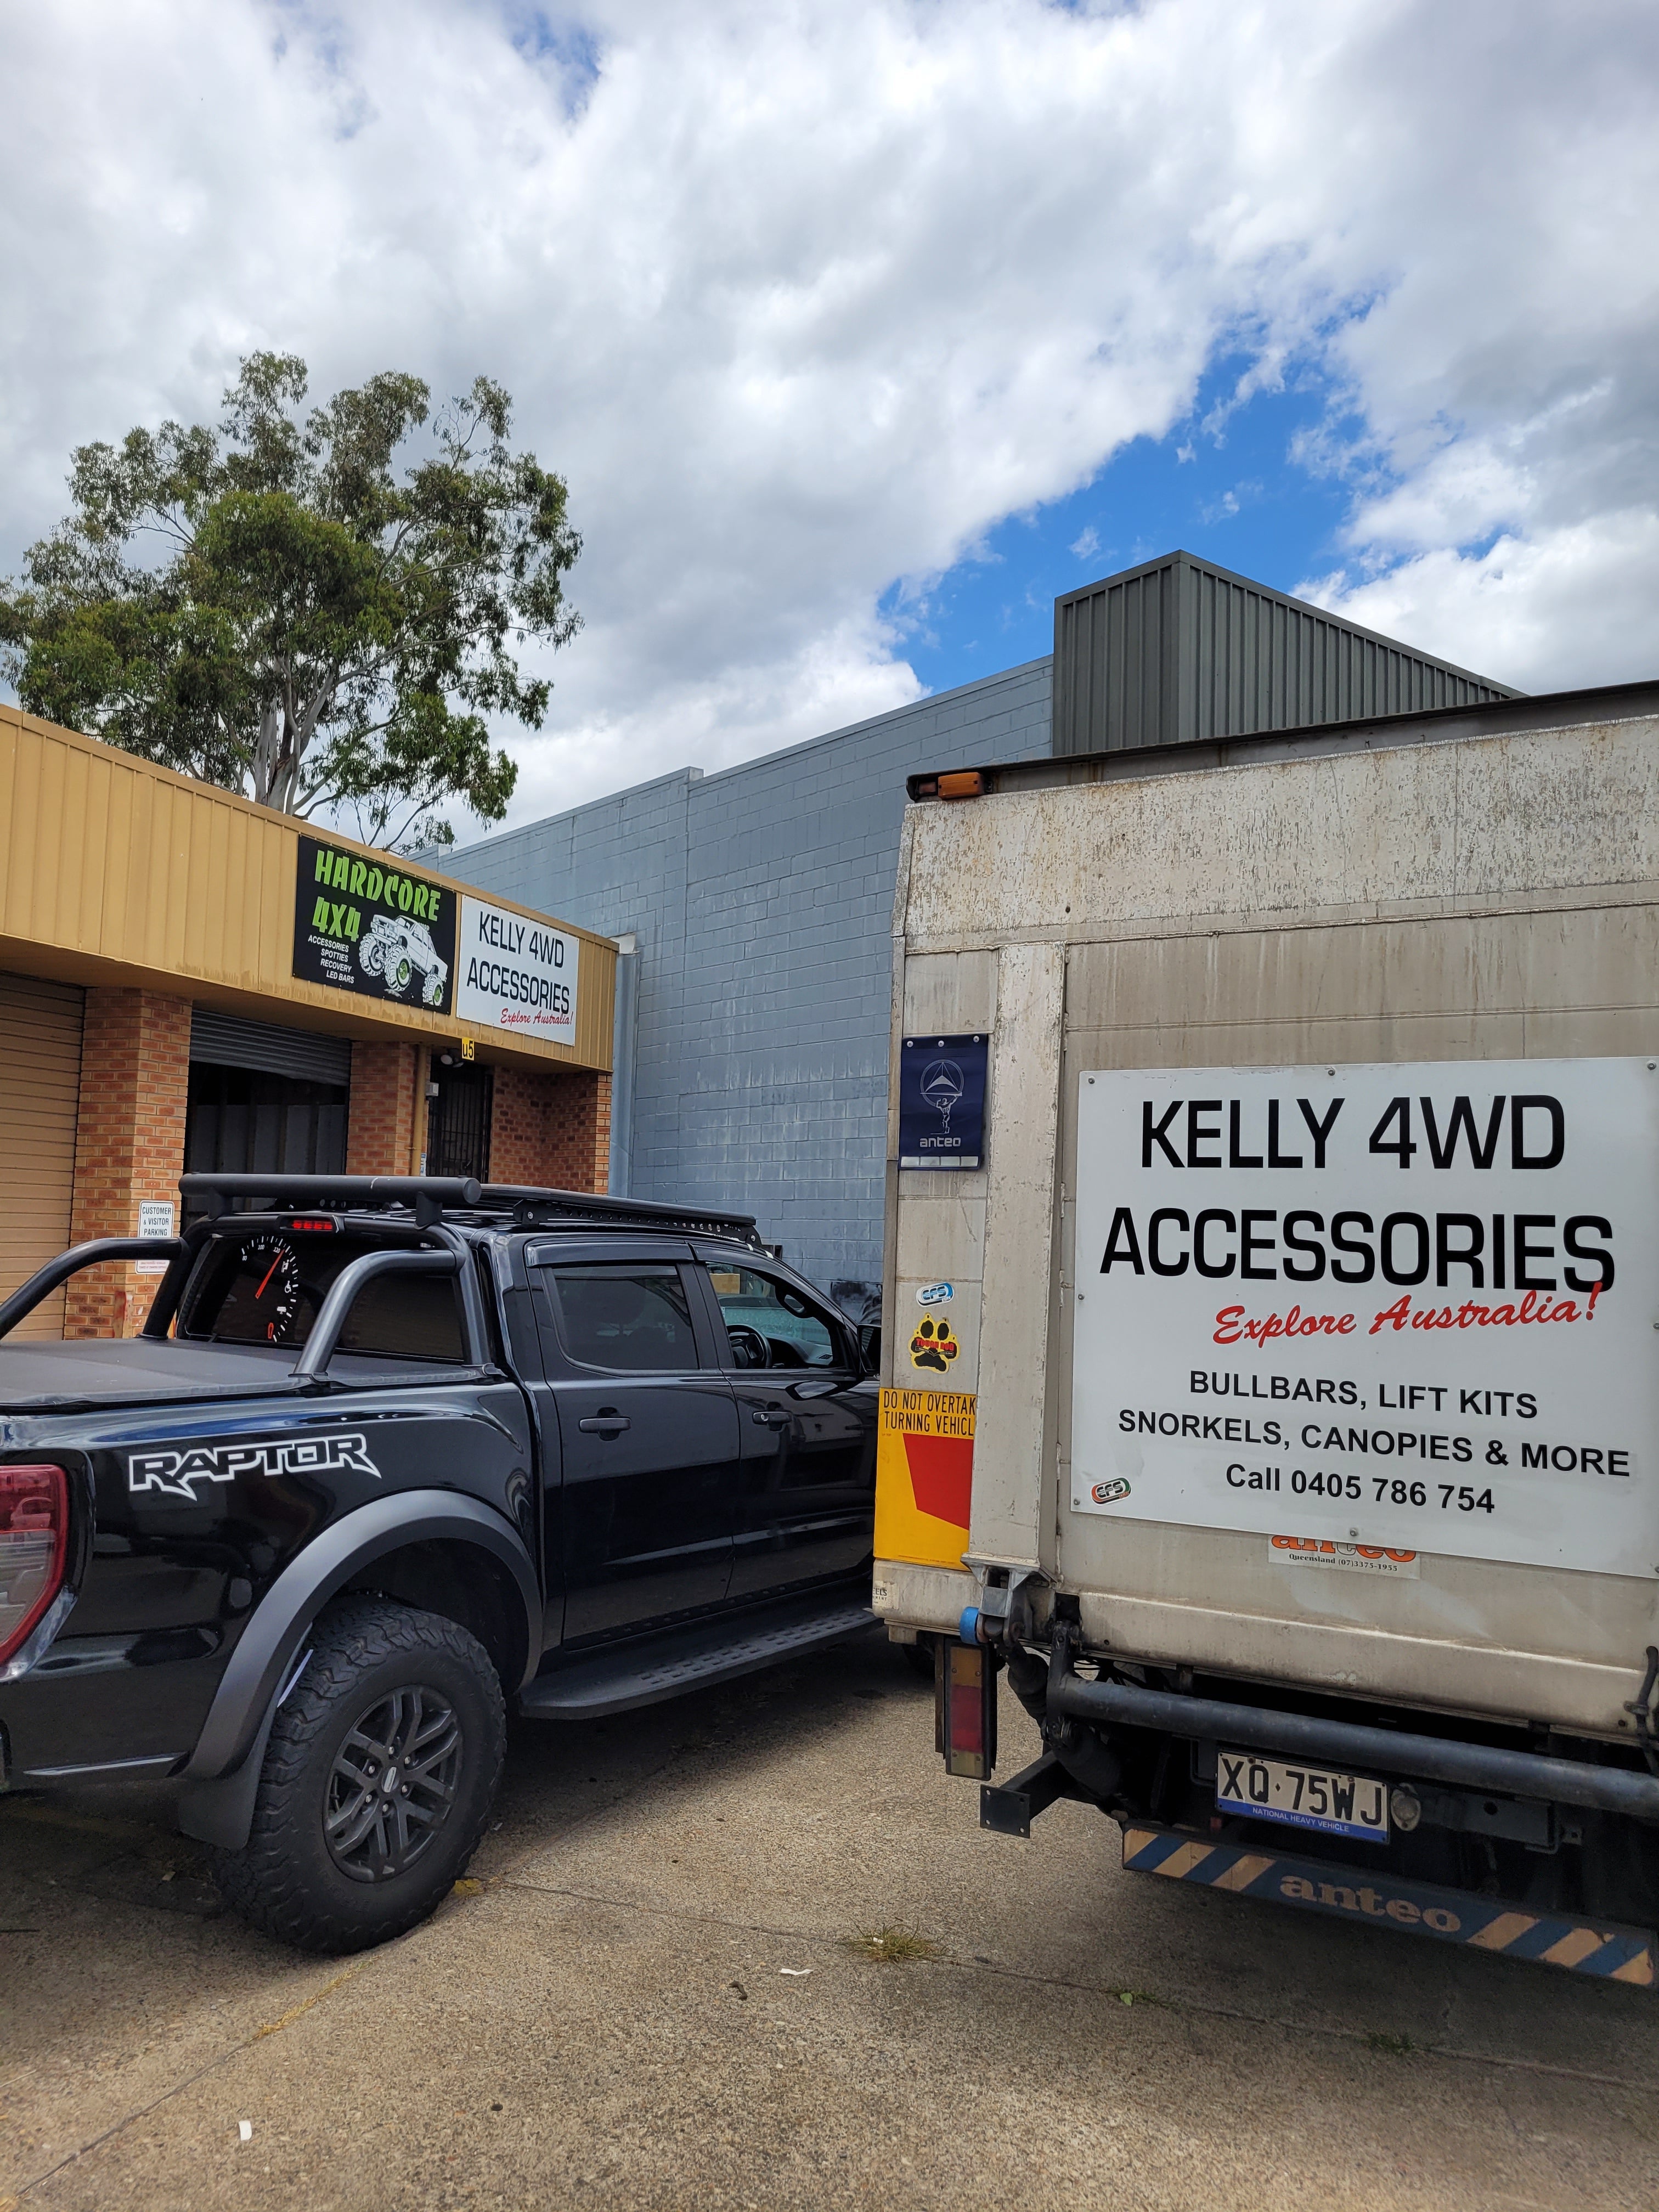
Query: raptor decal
<point x="174" y="1472"/>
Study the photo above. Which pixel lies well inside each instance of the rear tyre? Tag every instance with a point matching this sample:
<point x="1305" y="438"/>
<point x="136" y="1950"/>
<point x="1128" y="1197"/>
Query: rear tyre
<point x="378" y="1780"/>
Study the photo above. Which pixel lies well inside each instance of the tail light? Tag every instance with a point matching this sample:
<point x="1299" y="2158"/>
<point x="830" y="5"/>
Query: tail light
<point x="965" y="1710"/>
<point x="33" y="1542"/>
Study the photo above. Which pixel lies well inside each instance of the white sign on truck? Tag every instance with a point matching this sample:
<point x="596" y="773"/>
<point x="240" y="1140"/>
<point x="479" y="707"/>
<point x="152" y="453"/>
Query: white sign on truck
<point x="513" y="973"/>
<point x="1375" y="1311"/>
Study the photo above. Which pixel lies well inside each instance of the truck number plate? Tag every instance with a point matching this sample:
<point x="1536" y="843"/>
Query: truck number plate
<point x="1301" y="1796"/>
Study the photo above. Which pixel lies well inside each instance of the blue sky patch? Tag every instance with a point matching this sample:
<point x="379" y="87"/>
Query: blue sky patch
<point x="1262" y="489"/>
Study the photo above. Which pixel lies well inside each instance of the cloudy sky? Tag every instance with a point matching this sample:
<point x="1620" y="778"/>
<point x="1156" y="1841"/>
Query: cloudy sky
<point x="862" y="327"/>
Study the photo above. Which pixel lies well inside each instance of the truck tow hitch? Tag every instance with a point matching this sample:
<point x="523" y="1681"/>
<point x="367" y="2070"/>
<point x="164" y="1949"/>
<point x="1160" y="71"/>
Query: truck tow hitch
<point x="1076" y="1762"/>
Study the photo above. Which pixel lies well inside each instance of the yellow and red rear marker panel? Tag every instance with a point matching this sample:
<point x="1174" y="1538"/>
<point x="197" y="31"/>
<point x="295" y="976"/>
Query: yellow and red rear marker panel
<point x="924" y="1476"/>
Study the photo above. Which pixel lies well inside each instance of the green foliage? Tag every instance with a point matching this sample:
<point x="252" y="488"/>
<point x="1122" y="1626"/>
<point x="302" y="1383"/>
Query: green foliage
<point x="309" y="628"/>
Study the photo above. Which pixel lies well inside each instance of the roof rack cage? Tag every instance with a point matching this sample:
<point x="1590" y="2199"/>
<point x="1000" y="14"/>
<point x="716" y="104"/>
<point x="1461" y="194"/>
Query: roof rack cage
<point x="528" y="1205"/>
<point x="534" y="1208"/>
<point x="427" y="1194"/>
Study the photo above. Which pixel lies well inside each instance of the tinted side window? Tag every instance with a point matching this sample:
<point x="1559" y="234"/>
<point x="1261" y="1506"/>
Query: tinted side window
<point x="634" y="1319"/>
<point x="407" y="1316"/>
<point x="797" y="1333"/>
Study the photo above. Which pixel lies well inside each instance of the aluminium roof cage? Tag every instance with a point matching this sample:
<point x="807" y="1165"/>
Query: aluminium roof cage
<point x="429" y="1198"/>
<point x="534" y="1208"/>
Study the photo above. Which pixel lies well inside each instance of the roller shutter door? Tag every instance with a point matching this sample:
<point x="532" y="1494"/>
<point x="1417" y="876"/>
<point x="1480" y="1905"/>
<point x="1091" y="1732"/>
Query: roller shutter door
<point x="41" y="1023"/>
<point x="304" y="1055"/>
<point x="264" y="1100"/>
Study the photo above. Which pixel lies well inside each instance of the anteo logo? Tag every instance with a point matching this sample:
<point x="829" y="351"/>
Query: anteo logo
<point x="174" y="1472"/>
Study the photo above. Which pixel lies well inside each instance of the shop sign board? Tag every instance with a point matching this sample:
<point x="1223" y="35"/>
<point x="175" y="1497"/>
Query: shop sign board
<point x="1374" y="1312"/>
<point x="513" y="972"/>
<point x="942" y="1101"/>
<point x="367" y="924"/>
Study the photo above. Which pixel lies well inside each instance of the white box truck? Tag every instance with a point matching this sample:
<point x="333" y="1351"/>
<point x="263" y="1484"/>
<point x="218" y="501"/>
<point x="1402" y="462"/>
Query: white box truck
<point x="1270" y="1373"/>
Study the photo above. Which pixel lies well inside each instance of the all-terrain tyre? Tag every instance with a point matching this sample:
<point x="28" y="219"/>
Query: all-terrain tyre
<point x="382" y="1767"/>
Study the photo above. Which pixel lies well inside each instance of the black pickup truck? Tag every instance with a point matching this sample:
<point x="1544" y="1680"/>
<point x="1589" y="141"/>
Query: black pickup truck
<point x="388" y="1454"/>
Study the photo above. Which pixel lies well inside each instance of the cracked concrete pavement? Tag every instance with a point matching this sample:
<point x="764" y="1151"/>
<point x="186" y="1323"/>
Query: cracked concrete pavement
<point x="650" y="1993"/>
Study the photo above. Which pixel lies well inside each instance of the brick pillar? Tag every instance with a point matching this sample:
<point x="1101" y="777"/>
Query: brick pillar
<point x="553" y="1129"/>
<point x="386" y="1128"/>
<point x="129" y="1144"/>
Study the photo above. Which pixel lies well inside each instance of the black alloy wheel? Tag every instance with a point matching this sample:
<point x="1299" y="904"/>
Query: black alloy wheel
<point x="393" y="1784"/>
<point x="382" y="1765"/>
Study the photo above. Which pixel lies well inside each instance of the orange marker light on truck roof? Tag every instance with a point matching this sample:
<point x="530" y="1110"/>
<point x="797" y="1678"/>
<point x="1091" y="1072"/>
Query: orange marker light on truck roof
<point x="954" y="783"/>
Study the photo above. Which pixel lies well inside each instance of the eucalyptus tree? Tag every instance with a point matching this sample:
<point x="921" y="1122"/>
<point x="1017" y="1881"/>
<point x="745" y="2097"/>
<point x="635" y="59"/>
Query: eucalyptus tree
<point x="278" y="607"/>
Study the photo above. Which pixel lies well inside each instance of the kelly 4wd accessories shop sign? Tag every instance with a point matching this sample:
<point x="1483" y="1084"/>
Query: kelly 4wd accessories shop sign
<point x="372" y="927"/>
<point x="515" y="973"/>
<point x="1374" y="1311"/>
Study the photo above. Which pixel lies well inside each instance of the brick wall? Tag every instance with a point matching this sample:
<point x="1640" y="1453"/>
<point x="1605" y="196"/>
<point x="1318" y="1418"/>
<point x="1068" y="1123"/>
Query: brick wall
<point x="762" y="901"/>
<point x="129" y="1144"/>
<point x="386" y="1132"/>
<point x="551" y="1129"/>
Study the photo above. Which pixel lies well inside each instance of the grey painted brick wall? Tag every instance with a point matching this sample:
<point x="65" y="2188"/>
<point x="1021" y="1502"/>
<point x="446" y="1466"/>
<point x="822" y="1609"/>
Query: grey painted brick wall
<point x="762" y="899"/>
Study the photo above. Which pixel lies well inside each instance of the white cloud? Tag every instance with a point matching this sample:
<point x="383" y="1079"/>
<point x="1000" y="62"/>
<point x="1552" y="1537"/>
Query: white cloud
<point x="803" y="299"/>
<point x="1086" y="544"/>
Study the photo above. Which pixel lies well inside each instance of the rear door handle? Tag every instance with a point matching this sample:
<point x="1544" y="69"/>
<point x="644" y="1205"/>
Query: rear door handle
<point x="766" y="1417"/>
<point x="606" y="1424"/>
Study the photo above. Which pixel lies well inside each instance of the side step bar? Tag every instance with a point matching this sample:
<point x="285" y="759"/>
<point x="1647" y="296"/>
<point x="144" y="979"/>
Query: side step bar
<point x="651" y="1669"/>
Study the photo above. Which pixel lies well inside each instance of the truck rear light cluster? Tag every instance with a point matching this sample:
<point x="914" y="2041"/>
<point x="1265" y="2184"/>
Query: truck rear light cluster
<point x="33" y="1544"/>
<point x="965" y="1710"/>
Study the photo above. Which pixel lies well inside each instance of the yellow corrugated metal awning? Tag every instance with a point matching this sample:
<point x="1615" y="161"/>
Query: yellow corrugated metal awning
<point x="114" y="870"/>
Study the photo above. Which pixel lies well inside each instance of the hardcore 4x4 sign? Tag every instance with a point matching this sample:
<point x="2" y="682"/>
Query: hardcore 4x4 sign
<point x="368" y="925"/>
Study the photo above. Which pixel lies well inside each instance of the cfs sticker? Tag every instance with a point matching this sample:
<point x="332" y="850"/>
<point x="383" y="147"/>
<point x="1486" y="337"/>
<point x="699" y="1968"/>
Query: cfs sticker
<point x="933" y="1346"/>
<point x="934" y="1294"/>
<point x="174" y="1472"/>
<point x="1108" y="1494"/>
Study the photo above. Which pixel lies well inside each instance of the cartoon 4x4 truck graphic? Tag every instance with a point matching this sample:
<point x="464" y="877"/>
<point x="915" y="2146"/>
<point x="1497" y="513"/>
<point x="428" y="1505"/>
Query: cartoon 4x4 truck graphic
<point x="400" y="951"/>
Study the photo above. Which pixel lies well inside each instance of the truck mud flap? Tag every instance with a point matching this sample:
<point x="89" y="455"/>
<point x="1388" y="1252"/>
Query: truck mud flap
<point x="1581" y="1946"/>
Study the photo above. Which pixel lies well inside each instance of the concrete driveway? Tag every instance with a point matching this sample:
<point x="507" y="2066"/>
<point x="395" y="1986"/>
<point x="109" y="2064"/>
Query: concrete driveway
<point x="656" y="1996"/>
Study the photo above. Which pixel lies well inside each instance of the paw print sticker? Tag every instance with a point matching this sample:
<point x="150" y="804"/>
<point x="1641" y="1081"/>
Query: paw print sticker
<point x="933" y="1346"/>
